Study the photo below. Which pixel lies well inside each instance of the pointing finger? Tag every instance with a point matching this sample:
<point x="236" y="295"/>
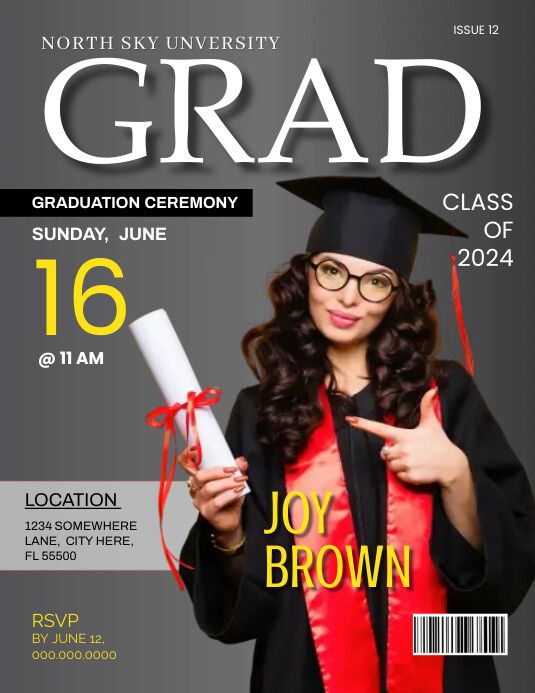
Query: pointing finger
<point x="376" y="428"/>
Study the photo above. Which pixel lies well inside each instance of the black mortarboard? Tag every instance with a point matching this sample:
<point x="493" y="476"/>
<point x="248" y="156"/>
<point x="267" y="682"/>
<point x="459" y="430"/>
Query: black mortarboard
<point x="367" y="218"/>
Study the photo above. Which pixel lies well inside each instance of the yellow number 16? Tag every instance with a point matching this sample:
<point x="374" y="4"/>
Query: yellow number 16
<point x="80" y="296"/>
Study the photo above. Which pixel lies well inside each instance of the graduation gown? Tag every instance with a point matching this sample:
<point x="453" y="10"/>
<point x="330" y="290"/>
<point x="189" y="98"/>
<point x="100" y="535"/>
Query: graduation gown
<point x="494" y="580"/>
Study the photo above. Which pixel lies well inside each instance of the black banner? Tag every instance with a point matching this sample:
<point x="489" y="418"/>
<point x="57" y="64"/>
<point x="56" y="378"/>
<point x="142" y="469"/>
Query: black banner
<point x="183" y="202"/>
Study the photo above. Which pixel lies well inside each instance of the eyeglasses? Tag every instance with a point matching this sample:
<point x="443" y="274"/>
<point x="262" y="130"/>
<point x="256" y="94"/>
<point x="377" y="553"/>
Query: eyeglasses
<point x="372" y="286"/>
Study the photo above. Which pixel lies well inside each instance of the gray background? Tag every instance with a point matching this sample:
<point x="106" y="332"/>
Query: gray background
<point x="87" y="423"/>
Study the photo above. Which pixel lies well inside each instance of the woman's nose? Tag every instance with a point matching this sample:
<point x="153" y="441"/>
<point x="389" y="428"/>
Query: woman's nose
<point x="349" y="295"/>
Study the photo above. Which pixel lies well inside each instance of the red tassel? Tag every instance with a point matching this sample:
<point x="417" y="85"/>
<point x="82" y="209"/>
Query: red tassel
<point x="456" y="296"/>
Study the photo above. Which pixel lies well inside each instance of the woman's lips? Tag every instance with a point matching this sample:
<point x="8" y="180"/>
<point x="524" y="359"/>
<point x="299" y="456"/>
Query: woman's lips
<point x="342" y="320"/>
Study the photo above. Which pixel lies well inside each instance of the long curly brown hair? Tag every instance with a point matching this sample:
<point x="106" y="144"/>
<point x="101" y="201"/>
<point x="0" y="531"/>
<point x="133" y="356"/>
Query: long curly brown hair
<point x="288" y="355"/>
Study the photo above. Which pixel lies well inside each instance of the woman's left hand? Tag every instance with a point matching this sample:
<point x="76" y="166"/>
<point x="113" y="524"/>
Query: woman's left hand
<point x="421" y="455"/>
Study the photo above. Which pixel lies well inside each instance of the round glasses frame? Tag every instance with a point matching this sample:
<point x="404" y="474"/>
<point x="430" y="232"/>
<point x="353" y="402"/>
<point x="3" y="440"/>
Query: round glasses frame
<point x="316" y="265"/>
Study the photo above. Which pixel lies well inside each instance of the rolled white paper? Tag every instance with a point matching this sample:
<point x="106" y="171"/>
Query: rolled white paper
<point x="170" y="366"/>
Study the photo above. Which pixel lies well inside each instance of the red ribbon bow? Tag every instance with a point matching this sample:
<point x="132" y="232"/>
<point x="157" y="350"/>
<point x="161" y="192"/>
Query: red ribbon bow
<point x="164" y="417"/>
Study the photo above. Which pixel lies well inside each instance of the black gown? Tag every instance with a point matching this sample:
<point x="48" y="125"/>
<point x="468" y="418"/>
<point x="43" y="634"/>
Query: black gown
<point x="492" y="581"/>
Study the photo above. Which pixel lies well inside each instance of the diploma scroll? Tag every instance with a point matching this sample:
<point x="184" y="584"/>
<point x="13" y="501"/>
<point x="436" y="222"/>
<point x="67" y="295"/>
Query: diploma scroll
<point x="171" y="368"/>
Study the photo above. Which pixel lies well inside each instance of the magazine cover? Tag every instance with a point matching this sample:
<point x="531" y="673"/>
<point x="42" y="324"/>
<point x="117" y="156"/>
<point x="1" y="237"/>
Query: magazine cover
<point x="267" y="353"/>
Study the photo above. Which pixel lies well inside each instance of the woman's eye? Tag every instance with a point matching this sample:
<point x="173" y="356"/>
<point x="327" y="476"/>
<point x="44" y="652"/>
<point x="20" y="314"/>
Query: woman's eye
<point x="381" y="282"/>
<point x="330" y="270"/>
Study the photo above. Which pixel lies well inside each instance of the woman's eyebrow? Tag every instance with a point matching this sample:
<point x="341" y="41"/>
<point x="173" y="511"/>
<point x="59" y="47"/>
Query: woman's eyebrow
<point x="338" y="262"/>
<point x="322" y="258"/>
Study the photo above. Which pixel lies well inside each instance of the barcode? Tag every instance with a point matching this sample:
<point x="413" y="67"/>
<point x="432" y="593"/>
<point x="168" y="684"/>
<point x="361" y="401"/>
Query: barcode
<point x="459" y="634"/>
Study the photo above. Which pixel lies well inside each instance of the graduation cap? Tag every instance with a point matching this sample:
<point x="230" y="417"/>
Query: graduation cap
<point x="368" y="218"/>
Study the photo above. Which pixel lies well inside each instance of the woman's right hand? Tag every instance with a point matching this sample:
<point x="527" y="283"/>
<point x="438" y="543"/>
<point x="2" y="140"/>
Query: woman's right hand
<point x="214" y="493"/>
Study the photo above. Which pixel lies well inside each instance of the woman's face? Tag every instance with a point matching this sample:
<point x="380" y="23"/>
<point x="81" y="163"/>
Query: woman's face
<point x="343" y="316"/>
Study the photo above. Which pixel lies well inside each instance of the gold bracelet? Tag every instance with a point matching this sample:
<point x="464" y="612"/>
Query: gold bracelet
<point x="227" y="550"/>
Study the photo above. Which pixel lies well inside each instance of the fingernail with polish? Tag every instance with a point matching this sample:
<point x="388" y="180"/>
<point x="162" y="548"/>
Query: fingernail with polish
<point x="229" y="470"/>
<point x="240" y="488"/>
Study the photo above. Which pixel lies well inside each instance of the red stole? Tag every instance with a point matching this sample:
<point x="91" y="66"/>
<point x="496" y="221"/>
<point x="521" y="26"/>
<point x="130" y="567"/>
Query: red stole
<point x="339" y="617"/>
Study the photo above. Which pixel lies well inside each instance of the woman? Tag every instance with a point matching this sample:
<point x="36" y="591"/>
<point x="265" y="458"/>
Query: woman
<point x="351" y="402"/>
